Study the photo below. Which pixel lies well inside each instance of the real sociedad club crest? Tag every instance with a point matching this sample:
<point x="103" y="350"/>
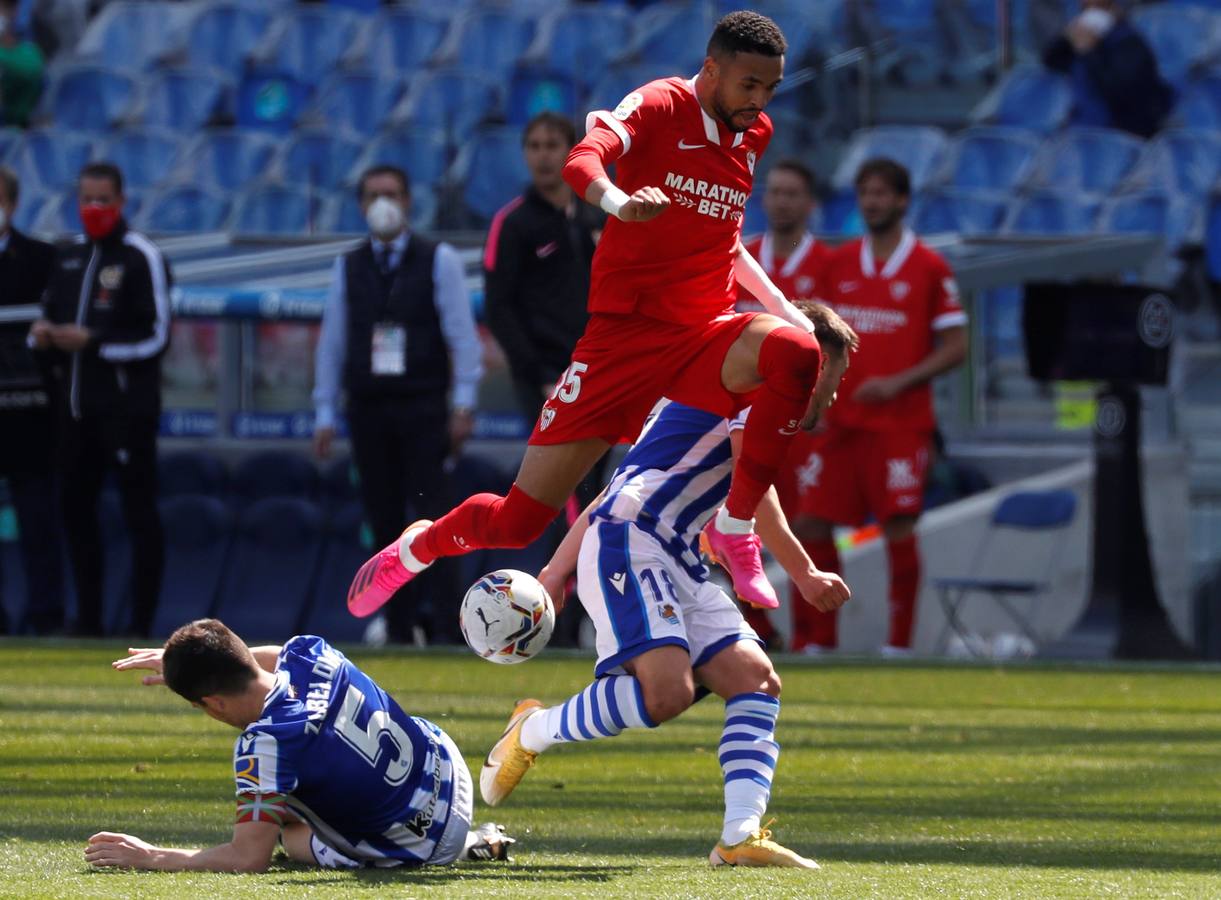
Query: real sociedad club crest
<point x="750" y="161"/>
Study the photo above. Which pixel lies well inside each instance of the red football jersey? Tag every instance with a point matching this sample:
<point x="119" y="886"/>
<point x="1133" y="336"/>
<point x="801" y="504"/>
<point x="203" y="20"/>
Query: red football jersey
<point x="799" y="276"/>
<point x="895" y="312"/>
<point x="679" y="266"/>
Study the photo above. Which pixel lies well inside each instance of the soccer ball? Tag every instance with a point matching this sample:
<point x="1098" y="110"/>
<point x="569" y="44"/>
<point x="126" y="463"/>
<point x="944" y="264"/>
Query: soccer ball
<point x="507" y="616"/>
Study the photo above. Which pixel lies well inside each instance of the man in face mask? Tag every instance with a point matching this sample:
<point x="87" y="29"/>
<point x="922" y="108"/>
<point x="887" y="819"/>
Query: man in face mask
<point x="105" y="326"/>
<point x="398" y="337"/>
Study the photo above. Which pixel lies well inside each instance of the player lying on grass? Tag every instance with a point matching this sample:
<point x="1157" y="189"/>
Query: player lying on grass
<point x="662" y="627"/>
<point x="327" y="763"/>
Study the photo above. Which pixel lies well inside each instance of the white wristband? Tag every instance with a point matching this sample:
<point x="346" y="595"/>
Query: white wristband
<point x="613" y="200"/>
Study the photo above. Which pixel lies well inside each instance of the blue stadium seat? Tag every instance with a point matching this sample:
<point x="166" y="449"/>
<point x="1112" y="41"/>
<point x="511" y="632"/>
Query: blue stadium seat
<point x="359" y="102"/>
<point x="223" y="34"/>
<point x="308" y="42"/>
<point x="424" y="155"/>
<point x="339" y="483"/>
<point x="146" y="156"/>
<point x="29" y="209"/>
<point x="275" y="209"/>
<point x="191" y="472"/>
<point x="493" y="170"/>
<point x="270" y="99"/>
<point x="49" y="158"/>
<point x="131" y="35"/>
<point x="1185" y="161"/>
<point x="343" y="553"/>
<point x="1183" y="38"/>
<point x="993" y="159"/>
<point x="270" y="570"/>
<point x="581" y="41"/>
<point x="90" y="98"/>
<point x="961" y="212"/>
<point x="1212" y="238"/>
<point x="403" y="41"/>
<point x="492" y="40"/>
<point x="318" y="157"/>
<point x="9" y="137"/>
<point x="533" y="90"/>
<point x="184" y="99"/>
<point x="227" y="159"/>
<point x="1177" y="218"/>
<point x="453" y="100"/>
<point x="275" y="473"/>
<point x="1029" y="97"/>
<point x="920" y="149"/>
<point x="1051" y="213"/>
<point x="1200" y="104"/>
<point x="621" y="80"/>
<point x="674" y="35"/>
<point x="197" y="535"/>
<point x="185" y="208"/>
<point x="1090" y="160"/>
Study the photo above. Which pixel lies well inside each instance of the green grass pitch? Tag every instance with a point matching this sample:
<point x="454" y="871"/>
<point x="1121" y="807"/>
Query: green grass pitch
<point x="902" y="780"/>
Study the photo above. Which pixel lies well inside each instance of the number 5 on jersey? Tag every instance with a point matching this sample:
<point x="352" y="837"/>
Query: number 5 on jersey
<point x="569" y="386"/>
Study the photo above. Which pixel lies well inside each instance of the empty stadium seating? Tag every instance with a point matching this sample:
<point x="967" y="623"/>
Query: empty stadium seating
<point x="89" y="98"/>
<point x="356" y="101"/>
<point x="185" y="208"/>
<point x="227" y="159"/>
<point x="197" y="538"/>
<point x="1051" y="213"/>
<point x="274" y="474"/>
<point x="146" y="156"/>
<point x="184" y="99"/>
<point x="277" y="209"/>
<point x="1028" y="97"/>
<point x="963" y="212"/>
<point x="492" y="169"/>
<point x="1088" y="160"/>
<point x="997" y="159"/>
<point x="343" y="552"/>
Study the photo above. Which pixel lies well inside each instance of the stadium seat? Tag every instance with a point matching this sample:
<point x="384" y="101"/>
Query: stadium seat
<point x="451" y="100"/>
<point x="533" y="90"/>
<point x="275" y="473"/>
<point x="913" y="48"/>
<point x="1183" y="38"/>
<point x="1177" y="218"/>
<point x="307" y="42"/>
<point x="490" y="40"/>
<point x="1087" y="160"/>
<point x="492" y="170"/>
<point x="1029" y="97"/>
<point x="270" y="99"/>
<point x="227" y="159"/>
<point x="424" y="155"/>
<point x="89" y="98"/>
<point x="1199" y="106"/>
<point x="1212" y="239"/>
<point x="270" y="570"/>
<point x="582" y="41"/>
<point x="49" y="158"/>
<point x="29" y="209"/>
<point x="146" y="156"/>
<point x="359" y="102"/>
<point x="673" y="35"/>
<point x="192" y="472"/>
<point x="338" y="483"/>
<point x="919" y="148"/>
<point x="184" y="99"/>
<point x="403" y="41"/>
<point x="223" y="34"/>
<point x="9" y="138"/>
<point x="1051" y="213"/>
<point x="960" y="212"/>
<point x="275" y="209"/>
<point x="131" y="35"/>
<point x="343" y="553"/>
<point x="1185" y="161"/>
<point x="197" y="536"/>
<point x="991" y="159"/>
<point x="318" y="157"/>
<point x="185" y="208"/>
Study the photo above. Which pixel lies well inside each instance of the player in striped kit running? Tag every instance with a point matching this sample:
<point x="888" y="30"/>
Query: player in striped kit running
<point x="662" y="627"/>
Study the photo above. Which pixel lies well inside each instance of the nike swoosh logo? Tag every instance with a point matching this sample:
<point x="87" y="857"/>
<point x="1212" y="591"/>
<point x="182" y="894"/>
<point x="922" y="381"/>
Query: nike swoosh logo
<point x="683" y="145"/>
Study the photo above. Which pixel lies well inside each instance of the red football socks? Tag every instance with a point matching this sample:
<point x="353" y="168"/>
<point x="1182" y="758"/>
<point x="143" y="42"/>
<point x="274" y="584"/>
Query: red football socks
<point x="904" y="559"/>
<point x="484" y="520"/>
<point x="788" y="362"/>
<point x="810" y="625"/>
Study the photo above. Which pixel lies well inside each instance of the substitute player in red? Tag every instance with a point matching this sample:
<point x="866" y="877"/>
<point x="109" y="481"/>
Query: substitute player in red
<point x="872" y="455"/>
<point x="661" y="313"/>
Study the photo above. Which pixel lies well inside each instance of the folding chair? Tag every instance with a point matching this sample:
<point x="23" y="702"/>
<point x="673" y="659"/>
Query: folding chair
<point x="1027" y="511"/>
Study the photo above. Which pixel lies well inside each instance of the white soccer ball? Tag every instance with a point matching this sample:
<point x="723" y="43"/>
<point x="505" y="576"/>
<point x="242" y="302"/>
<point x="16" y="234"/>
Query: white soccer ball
<point x="507" y="616"/>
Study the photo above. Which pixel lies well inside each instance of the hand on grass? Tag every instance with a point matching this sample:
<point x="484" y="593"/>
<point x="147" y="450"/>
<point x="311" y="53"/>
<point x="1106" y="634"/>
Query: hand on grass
<point x="106" y="848"/>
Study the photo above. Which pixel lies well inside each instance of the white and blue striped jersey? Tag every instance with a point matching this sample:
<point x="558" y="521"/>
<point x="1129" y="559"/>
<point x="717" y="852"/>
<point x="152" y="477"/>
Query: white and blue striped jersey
<point x="674" y="478"/>
<point x="372" y="782"/>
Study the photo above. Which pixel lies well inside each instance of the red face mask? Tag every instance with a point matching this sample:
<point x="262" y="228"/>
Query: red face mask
<point x="99" y="221"/>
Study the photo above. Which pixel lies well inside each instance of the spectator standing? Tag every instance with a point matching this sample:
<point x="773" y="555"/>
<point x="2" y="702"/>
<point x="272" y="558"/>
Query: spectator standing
<point x="106" y="326"/>
<point x="870" y="457"/>
<point x="536" y="285"/>
<point x="26" y="450"/>
<point x="1116" y="83"/>
<point x="21" y="66"/>
<point x="399" y="338"/>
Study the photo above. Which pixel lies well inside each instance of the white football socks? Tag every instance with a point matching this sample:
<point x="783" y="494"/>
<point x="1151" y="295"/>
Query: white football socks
<point x="748" y="753"/>
<point x="602" y="710"/>
<point x="406" y="557"/>
<point x="727" y="524"/>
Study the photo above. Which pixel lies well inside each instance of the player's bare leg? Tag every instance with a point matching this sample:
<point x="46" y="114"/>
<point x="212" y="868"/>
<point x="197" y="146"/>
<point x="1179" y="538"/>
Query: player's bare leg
<point x="903" y="556"/>
<point x="547" y="477"/>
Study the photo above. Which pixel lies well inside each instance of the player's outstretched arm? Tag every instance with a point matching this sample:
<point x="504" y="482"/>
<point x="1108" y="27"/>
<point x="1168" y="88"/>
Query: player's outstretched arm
<point x="563" y="562"/>
<point x="142" y="658"/>
<point x="266" y="656"/>
<point x="754" y="278"/>
<point x="250" y="850"/>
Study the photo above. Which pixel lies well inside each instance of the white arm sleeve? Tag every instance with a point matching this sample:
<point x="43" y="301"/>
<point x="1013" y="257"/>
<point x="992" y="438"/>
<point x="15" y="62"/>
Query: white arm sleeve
<point x="751" y="276"/>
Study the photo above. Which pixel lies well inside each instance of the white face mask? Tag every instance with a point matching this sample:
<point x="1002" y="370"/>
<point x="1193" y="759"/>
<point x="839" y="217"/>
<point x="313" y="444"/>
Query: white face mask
<point x="1098" y="21"/>
<point x="385" y="217"/>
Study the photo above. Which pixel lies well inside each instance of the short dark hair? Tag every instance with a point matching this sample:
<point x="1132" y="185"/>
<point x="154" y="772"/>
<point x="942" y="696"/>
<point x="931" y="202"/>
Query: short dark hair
<point x="555" y="122"/>
<point x="204" y="659"/>
<point x="800" y="169"/>
<point x="107" y="170"/>
<point x="832" y="331"/>
<point x="894" y="174"/>
<point x="11" y="183"/>
<point x="745" y="31"/>
<point x="382" y="169"/>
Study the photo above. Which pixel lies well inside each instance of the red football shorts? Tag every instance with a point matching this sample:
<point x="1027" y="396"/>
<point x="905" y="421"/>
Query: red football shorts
<point x="844" y="475"/>
<point x="624" y="364"/>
